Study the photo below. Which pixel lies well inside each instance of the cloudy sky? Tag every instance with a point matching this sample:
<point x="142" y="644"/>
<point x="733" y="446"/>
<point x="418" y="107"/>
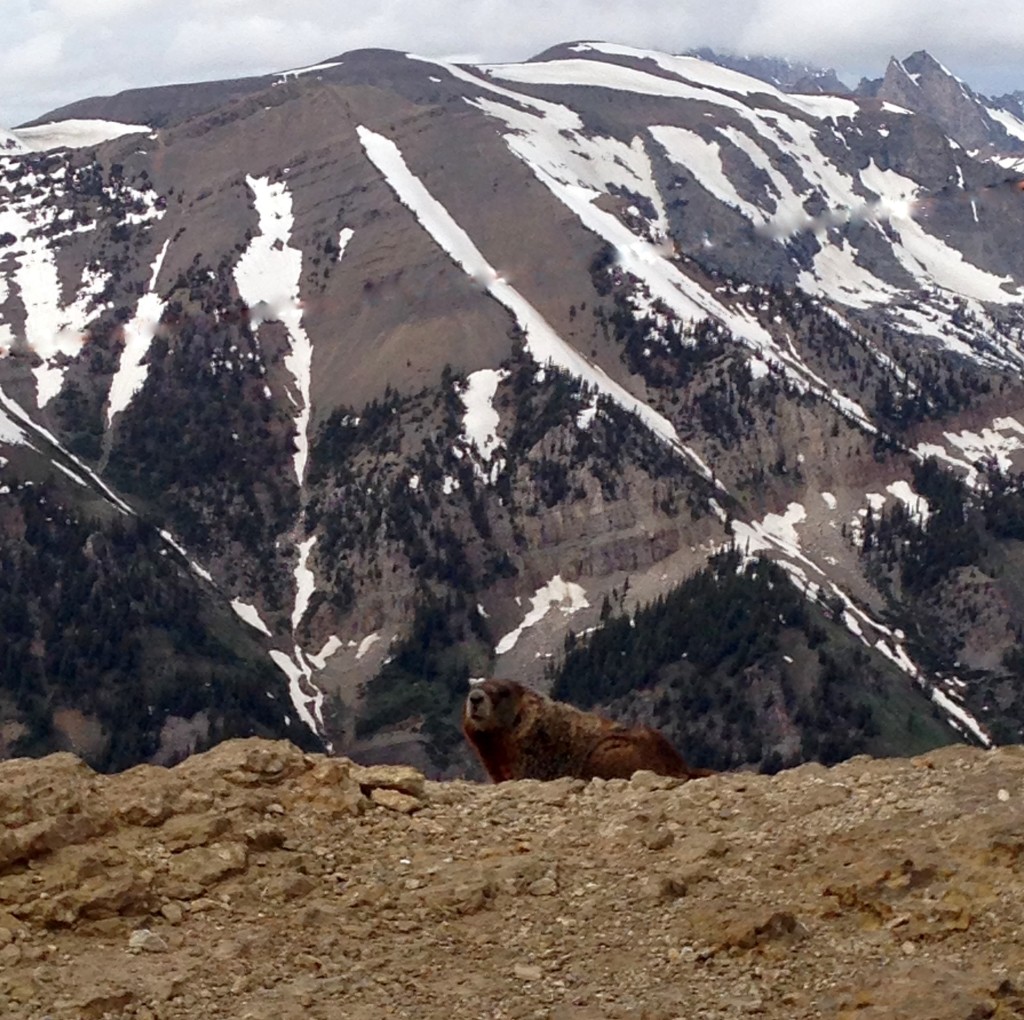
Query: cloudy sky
<point x="55" y="51"/>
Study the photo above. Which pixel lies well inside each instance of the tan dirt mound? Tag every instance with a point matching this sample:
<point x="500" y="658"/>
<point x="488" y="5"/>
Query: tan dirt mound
<point x="257" y="882"/>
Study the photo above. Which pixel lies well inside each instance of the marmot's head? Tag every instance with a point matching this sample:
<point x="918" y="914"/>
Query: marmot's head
<point x="493" y="705"/>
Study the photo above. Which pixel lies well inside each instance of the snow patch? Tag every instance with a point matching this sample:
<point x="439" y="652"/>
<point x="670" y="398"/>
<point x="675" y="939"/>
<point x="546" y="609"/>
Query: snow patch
<point x="556" y="594"/>
<point x="267" y="276"/>
<point x="297" y="72"/>
<point x="1013" y="126"/>
<point x="366" y="644"/>
<point x="916" y="504"/>
<point x="138" y="335"/>
<point x="997" y="444"/>
<point x="480" y="422"/>
<point x="74" y="134"/>
<point x="305" y="582"/>
<point x="251" y="615"/>
<point x="307" y="698"/>
<point x="959" y="714"/>
<point x="331" y="645"/>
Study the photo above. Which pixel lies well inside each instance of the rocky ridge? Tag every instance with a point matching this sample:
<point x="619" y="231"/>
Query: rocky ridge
<point x="257" y="881"/>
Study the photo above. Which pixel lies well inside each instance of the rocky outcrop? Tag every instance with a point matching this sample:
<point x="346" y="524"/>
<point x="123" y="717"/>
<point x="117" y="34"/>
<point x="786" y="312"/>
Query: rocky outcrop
<point x="257" y="881"/>
<point x="921" y="84"/>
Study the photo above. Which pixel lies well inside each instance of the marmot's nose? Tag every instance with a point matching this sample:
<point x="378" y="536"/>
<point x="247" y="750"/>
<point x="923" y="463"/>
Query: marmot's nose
<point x="476" y="697"/>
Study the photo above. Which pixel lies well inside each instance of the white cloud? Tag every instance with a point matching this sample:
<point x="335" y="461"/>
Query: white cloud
<point x="56" y="51"/>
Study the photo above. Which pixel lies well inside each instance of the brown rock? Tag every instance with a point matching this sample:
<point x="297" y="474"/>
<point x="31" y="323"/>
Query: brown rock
<point x="290" y="887"/>
<point x="142" y="940"/>
<point x="394" y="800"/>
<point x="172" y="912"/>
<point x="201" y="867"/>
<point x="527" y="972"/>
<point x="330" y="788"/>
<point x="119" y="891"/>
<point x="390" y="777"/>
<point x="763" y="926"/>
<point x="546" y="886"/>
<point x="103" y="1000"/>
<point x="657" y="838"/>
<point x="249" y="762"/>
<point x="186" y="831"/>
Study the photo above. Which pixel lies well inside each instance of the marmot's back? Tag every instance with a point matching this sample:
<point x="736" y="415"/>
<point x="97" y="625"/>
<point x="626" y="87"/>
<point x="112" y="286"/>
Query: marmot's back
<point x="520" y="734"/>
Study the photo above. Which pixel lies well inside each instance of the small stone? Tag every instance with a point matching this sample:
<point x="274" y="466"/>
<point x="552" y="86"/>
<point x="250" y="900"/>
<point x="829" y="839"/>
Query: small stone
<point x="527" y="972"/>
<point x="665" y="888"/>
<point x="172" y="912"/>
<point x="644" y="779"/>
<point x="22" y="989"/>
<point x="144" y="940"/>
<point x="908" y="948"/>
<point x="394" y="800"/>
<point x="546" y="886"/>
<point x="307" y="961"/>
<point x="6" y="937"/>
<point x="402" y="778"/>
<point x="658" y="838"/>
<point x="1003" y="795"/>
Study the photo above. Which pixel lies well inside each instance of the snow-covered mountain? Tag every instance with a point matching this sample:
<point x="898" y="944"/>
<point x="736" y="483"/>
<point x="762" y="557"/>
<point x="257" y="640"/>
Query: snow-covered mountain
<point x="420" y="365"/>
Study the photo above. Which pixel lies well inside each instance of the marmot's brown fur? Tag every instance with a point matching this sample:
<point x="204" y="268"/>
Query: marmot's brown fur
<point x="520" y="734"/>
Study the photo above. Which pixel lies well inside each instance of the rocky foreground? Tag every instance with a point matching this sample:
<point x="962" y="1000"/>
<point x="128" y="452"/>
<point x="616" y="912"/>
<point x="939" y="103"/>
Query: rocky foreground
<point x="255" y="881"/>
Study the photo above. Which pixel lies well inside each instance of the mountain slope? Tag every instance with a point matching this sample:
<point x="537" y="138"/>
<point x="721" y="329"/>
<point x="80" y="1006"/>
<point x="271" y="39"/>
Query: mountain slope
<point x="424" y="362"/>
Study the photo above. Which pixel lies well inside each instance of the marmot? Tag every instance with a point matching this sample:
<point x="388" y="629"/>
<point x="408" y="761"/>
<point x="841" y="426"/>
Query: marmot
<point x="520" y="734"/>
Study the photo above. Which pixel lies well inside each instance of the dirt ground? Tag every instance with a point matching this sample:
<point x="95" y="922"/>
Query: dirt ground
<point x="256" y="882"/>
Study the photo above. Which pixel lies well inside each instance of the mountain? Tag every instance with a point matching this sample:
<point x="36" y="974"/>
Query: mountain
<point x="787" y="75"/>
<point x="620" y="372"/>
<point x="1012" y="102"/>
<point x="923" y="85"/>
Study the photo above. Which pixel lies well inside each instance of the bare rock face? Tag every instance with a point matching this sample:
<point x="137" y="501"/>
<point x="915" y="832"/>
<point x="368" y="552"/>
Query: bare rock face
<point x="256" y="881"/>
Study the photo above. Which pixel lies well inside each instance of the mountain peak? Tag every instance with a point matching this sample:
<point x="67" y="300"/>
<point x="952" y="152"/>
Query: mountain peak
<point x="921" y="84"/>
<point x="922" y="62"/>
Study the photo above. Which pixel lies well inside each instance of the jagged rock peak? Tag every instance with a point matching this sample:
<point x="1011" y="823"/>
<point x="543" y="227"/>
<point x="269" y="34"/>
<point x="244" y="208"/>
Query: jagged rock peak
<point x="922" y="84"/>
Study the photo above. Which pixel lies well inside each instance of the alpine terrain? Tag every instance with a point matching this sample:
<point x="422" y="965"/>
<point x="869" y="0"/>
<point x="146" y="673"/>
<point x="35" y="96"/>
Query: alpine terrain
<point x="677" y="392"/>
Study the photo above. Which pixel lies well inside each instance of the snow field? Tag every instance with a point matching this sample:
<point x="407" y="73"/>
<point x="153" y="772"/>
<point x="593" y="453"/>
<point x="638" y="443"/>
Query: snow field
<point x="542" y="342"/>
<point x="565" y="596"/>
<point x="480" y="422"/>
<point x="267" y="276"/>
<point x="74" y="134"/>
<point x="138" y="335"/>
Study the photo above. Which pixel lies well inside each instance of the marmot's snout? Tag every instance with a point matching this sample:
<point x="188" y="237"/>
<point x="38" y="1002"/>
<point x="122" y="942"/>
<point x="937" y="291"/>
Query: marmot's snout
<point x="476" y="702"/>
